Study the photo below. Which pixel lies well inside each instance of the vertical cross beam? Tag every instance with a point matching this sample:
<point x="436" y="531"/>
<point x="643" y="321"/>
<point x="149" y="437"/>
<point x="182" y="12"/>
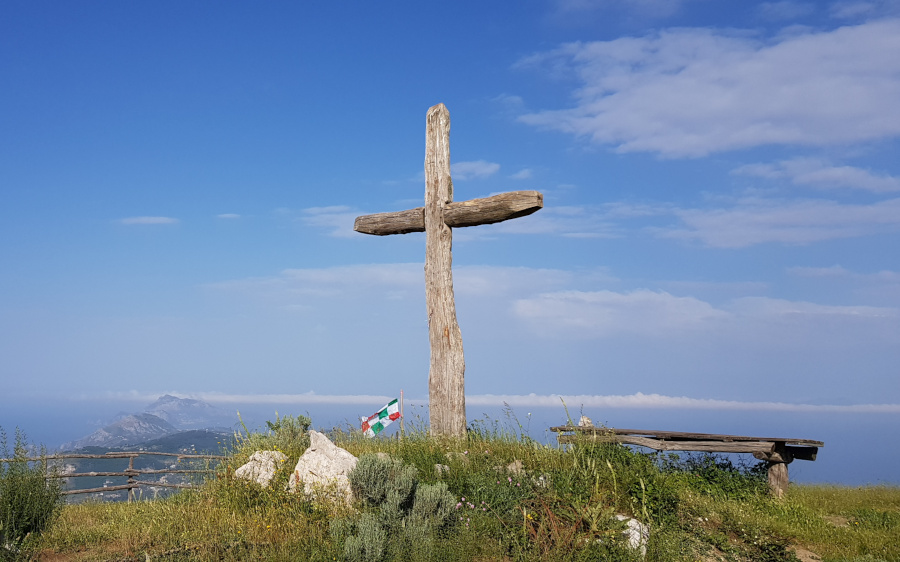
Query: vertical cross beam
<point x="446" y="376"/>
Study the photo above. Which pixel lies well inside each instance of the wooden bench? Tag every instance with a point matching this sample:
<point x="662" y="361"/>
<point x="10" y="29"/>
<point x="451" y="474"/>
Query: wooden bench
<point x="778" y="452"/>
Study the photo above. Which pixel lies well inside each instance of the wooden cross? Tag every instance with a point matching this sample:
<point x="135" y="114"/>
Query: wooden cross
<point x="446" y="378"/>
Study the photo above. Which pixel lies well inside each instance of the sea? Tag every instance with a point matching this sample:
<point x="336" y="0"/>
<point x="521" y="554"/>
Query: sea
<point x="860" y="449"/>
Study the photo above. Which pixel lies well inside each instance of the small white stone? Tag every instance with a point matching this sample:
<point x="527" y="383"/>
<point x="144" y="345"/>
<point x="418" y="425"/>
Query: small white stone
<point x="637" y="533"/>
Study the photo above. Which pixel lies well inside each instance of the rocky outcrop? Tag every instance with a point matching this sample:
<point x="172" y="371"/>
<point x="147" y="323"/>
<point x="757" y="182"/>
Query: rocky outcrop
<point x="261" y="467"/>
<point x="323" y="469"/>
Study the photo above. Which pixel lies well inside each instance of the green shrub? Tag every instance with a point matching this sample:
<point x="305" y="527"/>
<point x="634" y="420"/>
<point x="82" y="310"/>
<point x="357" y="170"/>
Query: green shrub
<point x="433" y="504"/>
<point x="718" y="476"/>
<point x="404" y="515"/>
<point x="290" y="431"/>
<point x="368" y="543"/>
<point x="287" y="434"/>
<point x="28" y="499"/>
<point x="375" y="479"/>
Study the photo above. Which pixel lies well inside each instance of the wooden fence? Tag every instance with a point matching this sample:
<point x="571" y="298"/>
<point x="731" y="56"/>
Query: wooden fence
<point x="131" y="473"/>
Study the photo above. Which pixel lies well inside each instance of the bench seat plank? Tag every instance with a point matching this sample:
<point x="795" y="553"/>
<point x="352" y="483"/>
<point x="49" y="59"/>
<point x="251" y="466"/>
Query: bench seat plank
<point x="683" y="436"/>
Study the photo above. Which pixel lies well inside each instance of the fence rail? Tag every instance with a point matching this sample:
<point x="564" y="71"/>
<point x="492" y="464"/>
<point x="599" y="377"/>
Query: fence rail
<point x="131" y="473"/>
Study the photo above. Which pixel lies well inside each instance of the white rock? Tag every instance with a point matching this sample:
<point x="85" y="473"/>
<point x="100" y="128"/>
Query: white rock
<point x="637" y="533"/>
<point x="515" y="467"/>
<point x="585" y="422"/>
<point x="261" y="467"/>
<point x="323" y="470"/>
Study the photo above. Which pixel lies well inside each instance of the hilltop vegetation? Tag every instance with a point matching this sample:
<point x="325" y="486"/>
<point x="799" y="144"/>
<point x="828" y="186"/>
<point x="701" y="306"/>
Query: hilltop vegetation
<point x="559" y="506"/>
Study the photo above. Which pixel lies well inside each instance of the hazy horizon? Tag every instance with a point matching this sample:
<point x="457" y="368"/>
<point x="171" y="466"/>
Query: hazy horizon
<point x="846" y="435"/>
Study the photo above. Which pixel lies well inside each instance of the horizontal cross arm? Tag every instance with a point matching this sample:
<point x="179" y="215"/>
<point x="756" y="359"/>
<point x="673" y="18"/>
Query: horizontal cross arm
<point x="398" y="222"/>
<point x="487" y="210"/>
<point x="496" y="208"/>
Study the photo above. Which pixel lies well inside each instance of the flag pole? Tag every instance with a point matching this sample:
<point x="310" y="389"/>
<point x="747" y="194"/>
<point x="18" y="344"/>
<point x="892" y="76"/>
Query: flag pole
<point x="401" y="413"/>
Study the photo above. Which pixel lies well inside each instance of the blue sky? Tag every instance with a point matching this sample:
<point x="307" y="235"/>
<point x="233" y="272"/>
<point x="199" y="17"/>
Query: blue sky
<point x="721" y="186"/>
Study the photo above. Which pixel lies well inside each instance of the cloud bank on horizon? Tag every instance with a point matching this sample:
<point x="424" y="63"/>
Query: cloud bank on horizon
<point x="722" y="202"/>
<point x="637" y="401"/>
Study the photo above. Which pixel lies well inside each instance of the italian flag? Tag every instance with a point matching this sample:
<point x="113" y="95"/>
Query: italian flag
<point x="373" y="424"/>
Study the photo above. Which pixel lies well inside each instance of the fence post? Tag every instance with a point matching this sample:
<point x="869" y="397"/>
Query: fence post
<point x="130" y="478"/>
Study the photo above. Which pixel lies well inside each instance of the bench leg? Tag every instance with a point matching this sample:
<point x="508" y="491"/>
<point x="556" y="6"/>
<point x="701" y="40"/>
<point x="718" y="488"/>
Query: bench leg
<point x="778" y="478"/>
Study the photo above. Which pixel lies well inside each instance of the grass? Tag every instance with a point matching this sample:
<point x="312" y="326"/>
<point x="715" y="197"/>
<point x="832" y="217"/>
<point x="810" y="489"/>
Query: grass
<point x="559" y="506"/>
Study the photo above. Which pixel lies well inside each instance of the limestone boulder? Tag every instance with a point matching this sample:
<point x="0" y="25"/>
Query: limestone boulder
<point x="323" y="470"/>
<point x="636" y="533"/>
<point x="261" y="467"/>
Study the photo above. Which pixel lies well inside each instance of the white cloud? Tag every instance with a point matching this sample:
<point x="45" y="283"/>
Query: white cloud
<point x="523" y="174"/>
<point x="779" y="309"/>
<point x="658" y="401"/>
<point x="757" y="221"/>
<point x="397" y="278"/>
<point x="656" y="314"/>
<point x="313" y="284"/>
<point x="856" y="9"/>
<point x="338" y="219"/>
<point x="785" y="10"/>
<point x="567" y="221"/>
<point x="691" y="92"/>
<point x="833" y="271"/>
<point x="645" y="8"/>
<point x="148" y="220"/>
<point x="228" y="216"/>
<point x="632" y="401"/>
<point x="880" y="287"/>
<point x="820" y="174"/>
<point x="604" y="313"/>
<point x="473" y="170"/>
<point x="837" y="271"/>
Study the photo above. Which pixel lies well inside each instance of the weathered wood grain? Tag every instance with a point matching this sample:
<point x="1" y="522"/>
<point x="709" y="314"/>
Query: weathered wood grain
<point x="487" y="210"/>
<point x="778" y="479"/>
<point x="398" y="222"/>
<point x="662" y="445"/>
<point x="683" y="436"/>
<point x="493" y="209"/>
<point x="446" y="376"/>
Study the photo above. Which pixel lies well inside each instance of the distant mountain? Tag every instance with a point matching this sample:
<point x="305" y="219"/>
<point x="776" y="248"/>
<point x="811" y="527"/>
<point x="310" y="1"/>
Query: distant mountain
<point x="185" y="413"/>
<point x="169" y="415"/>
<point x="129" y="430"/>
